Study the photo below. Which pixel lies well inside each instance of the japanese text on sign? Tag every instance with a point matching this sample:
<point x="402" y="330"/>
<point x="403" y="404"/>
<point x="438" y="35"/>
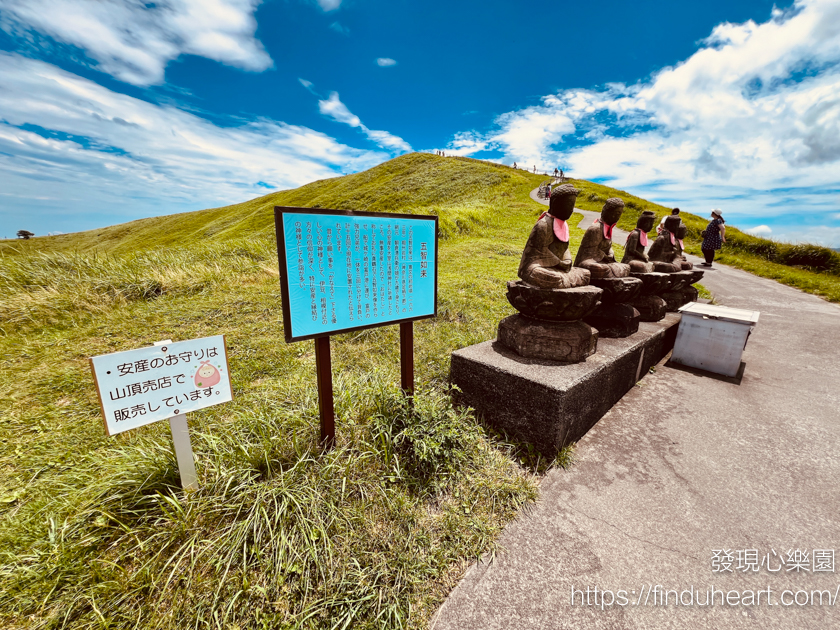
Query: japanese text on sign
<point x="142" y="386"/>
<point x="352" y="270"/>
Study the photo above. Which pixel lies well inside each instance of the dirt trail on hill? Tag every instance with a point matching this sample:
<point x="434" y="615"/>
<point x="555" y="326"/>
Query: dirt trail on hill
<point x="685" y="466"/>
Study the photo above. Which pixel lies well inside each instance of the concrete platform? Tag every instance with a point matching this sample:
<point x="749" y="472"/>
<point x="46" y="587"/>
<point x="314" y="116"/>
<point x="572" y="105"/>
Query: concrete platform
<point x="552" y="404"/>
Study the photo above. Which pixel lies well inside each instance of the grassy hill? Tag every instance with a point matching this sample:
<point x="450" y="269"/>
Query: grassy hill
<point x="463" y="192"/>
<point x="95" y="531"/>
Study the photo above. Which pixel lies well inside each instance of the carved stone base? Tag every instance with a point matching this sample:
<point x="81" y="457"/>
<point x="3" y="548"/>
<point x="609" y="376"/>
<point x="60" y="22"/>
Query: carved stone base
<point x="653" y="283"/>
<point x="614" y="320"/>
<point x="617" y="290"/>
<point x="680" y="280"/>
<point x="556" y="304"/>
<point x="568" y="342"/>
<point x="689" y="294"/>
<point x="652" y="308"/>
<point x="673" y="300"/>
<point x="696" y="275"/>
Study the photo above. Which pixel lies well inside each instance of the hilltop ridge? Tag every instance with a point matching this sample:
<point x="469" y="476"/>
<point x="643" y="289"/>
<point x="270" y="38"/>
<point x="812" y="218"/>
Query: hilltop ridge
<point x="404" y="184"/>
<point x="465" y="193"/>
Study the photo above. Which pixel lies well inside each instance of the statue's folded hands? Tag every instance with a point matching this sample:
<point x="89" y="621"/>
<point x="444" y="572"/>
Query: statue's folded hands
<point x="595" y="253"/>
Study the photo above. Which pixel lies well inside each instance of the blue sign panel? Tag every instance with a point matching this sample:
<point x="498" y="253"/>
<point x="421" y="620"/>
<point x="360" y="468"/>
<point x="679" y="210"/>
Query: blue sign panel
<point x="344" y="270"/>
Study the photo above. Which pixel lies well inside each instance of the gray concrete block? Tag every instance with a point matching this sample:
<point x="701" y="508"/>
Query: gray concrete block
<point x="552" y="404"/>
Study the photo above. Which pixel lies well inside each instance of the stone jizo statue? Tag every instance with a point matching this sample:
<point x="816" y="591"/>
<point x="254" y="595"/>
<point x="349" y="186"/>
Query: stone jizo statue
<point x="596" y="253"/>
<point x="663" y="253"/>
<point x="546" y="261"/>
<point x="681" y="232"/>
<point x="637" y="240"/>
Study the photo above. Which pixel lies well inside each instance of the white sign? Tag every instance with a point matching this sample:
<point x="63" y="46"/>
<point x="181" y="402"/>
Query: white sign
<point x="142" y="386"/>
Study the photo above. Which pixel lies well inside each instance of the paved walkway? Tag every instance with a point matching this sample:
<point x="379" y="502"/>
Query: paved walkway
<point x="681" y="466"/>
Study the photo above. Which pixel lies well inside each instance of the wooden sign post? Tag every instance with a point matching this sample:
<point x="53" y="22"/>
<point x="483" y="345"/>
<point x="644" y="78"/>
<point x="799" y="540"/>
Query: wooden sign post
<point x="407" y="357"/>
<point x="164" y="381"/>
<point x="343" y="271"/>
<point x="323" y="368"/>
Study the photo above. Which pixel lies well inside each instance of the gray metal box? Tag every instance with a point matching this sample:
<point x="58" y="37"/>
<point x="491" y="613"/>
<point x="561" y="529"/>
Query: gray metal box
<point x="713" y="338"/>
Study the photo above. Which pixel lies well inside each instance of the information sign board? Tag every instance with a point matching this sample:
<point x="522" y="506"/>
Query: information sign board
<point x="343" y="270"/>
<point x="138" y="387"/>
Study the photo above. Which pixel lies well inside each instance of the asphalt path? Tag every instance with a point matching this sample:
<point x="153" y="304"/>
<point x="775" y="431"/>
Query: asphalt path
<point x="684" y="472"/>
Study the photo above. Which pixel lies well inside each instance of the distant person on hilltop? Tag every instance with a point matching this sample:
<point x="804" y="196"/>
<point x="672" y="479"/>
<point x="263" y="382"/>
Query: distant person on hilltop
<point x="514" y="165"/>
<point x="535" y="169"/>
<point x="555" y="172"/>
<point x="561" y="173"/>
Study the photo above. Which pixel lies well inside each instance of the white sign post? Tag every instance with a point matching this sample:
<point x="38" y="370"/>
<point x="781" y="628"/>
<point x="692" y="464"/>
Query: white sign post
<point x="165" y="381"/>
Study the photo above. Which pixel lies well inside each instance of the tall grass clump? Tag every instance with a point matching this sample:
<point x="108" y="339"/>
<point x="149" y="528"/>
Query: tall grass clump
<point x="59" y="287"/>
<point x="279" y="534"/>
<point x="424" y="440"/>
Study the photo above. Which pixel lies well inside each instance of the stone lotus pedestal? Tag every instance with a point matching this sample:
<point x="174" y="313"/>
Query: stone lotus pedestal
<point x="548" y="324"/>
<point x="680" y="280"/>
<point x="651" y="307"/>
<point x="615" y="317"/>
<point x="684" y="293"/>
<point x="677" y="299"/>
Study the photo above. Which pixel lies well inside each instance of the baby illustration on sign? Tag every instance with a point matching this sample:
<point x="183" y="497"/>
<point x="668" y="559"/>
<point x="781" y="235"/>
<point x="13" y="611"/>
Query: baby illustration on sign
<point x="207" y="375"/>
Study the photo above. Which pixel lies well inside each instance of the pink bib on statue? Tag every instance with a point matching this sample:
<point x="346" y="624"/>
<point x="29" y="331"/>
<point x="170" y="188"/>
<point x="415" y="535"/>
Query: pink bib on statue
<point x="671" y="235"/>
<point x="561" y="228"/>
<point x="608" y="229"/>
<point x="682" y="247"/>
<point x="643" y="238"/>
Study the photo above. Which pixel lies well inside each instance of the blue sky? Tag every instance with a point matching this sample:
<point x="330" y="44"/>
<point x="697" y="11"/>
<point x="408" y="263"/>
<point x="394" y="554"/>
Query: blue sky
<point x="113" y="111"/>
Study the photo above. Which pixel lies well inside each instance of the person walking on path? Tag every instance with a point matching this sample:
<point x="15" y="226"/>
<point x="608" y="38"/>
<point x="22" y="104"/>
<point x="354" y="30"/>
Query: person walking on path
<point x="514" y="165"/>
<point x="555" y="173"/>
<point x="714" y="236"/>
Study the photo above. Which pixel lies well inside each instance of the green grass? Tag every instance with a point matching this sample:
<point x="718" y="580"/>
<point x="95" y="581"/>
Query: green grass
<point x="95" y="531"/>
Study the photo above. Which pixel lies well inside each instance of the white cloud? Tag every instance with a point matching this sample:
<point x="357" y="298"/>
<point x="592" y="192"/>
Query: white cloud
<point x="385" y="62"/>
<point x="134" y="40"/>
<point x="827" y="236"/>
<point x="760" y="230"/>
<point x="329" y="5"/>
<point x="339" y="28"/>
<point x="467" y="143"/>
<point x="338" y="111"/>
<point x="751" y="118"/>
<point x="308" y="85"/>
<point x="138" y="155"/>
<point x="335" y="109"/>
